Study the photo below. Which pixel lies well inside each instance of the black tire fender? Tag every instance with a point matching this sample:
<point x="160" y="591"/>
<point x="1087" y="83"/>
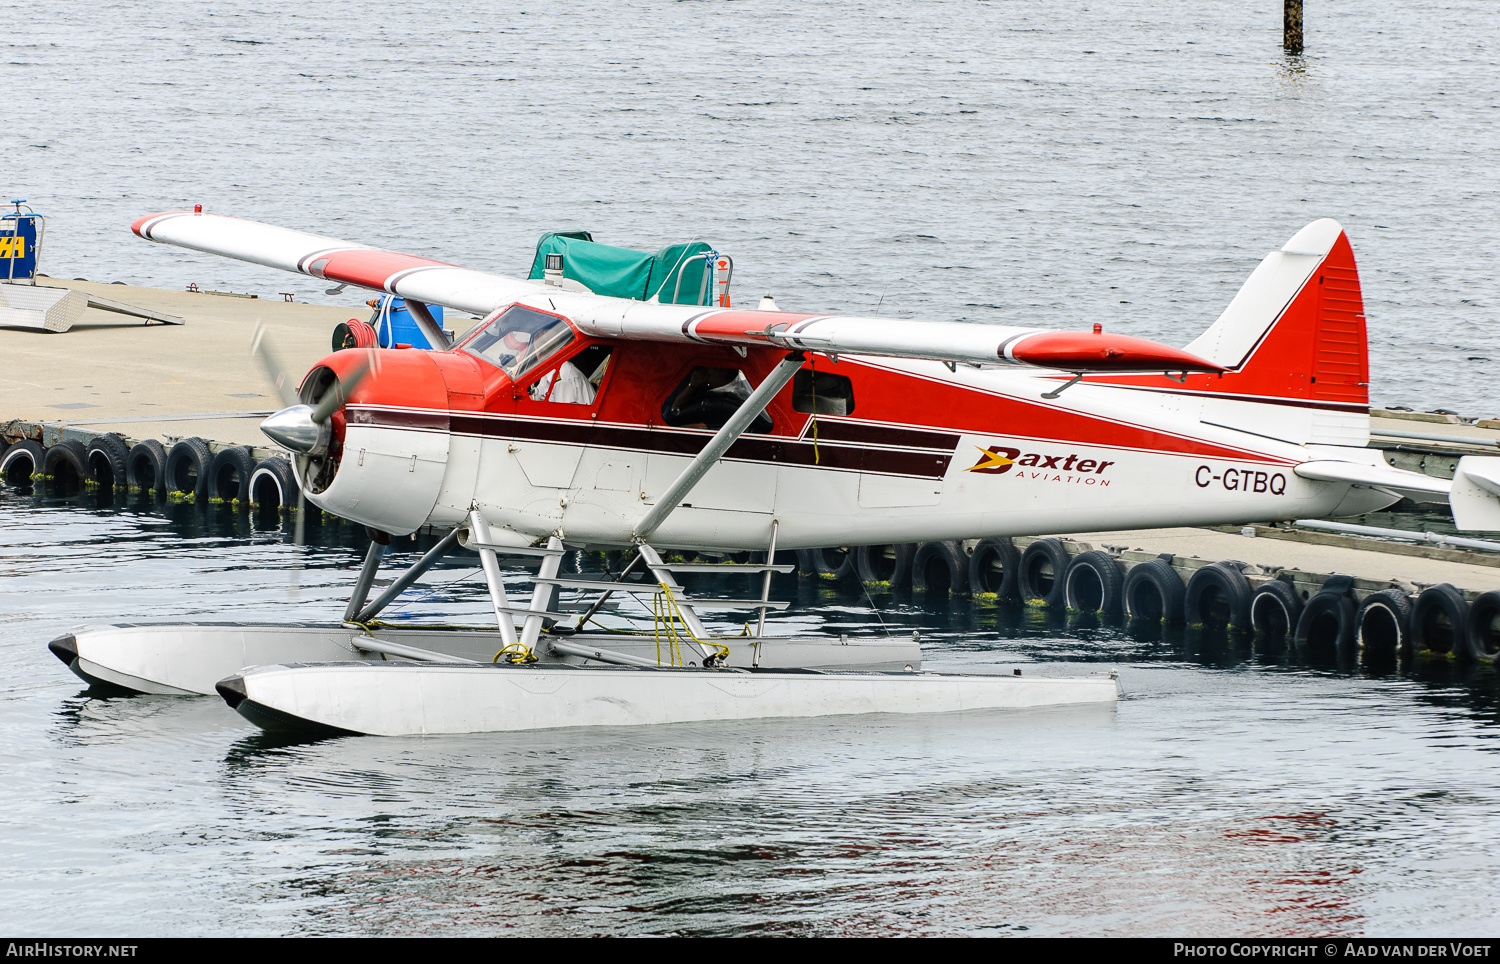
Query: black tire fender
<point x="21" y="461"/>
<point x="995" y="567"/>
<point x="940" y="568"/>
<point x="1044" y="565"/>
<point x="1482" y="629"/>
<point x="806" y="564"/>
<point x="1094" y="583"/>
<point x="107" y="456"/>
<point x="1218" y="594"/>
<point x="833" y="562"/>
<point x="1275" y="608"/>
<point x="1439" y="620"/>
<point x="1325" y="630"/>
<point x="885" y="565"/>
<point x="272" y="483"/>
<point x="146" y="466"/>
<point x="66" y="463"/>
<point x="1382" y="627"/>
<point x="188" y="464"/>
<point x="229" y="475"/>
<point x="1153" y="592"/>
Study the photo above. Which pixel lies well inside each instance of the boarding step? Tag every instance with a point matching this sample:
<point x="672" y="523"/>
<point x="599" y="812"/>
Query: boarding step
<point x="597" y="585"/>
<point x="504" y="550"/>
<point x="697" y="602"/>
<point x="544" y="613"/>
<point x="694" y="602"/>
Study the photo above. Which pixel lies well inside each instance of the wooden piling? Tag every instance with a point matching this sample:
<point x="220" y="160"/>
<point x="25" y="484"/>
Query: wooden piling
<point x="1291" y="26"/>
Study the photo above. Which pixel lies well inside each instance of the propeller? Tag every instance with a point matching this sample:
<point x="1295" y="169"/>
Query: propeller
<point x="305" y="430"/>
<point x="275" y="371"/>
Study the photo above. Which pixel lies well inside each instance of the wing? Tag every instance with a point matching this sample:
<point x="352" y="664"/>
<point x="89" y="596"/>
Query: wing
<point x="479" y="292"/>
<point x="946" y="341"/>
<point x="421" y="279"/>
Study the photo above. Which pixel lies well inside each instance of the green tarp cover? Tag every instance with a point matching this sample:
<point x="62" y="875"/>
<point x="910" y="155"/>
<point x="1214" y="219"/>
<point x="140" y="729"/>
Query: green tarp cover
<point x="623" y="273"/>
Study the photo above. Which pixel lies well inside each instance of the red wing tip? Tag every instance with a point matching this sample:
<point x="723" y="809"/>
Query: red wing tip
<point x="1093" y="351"/>
<point x="140" y="223"/>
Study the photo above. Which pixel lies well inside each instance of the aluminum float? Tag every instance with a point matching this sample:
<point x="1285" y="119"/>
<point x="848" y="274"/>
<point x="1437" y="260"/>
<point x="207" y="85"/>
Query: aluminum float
<point x="394" y="700"/>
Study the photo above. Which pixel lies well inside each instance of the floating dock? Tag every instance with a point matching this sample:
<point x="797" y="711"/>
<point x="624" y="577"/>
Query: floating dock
<point x="113" y="372"/>
<point x="121" y="373"/>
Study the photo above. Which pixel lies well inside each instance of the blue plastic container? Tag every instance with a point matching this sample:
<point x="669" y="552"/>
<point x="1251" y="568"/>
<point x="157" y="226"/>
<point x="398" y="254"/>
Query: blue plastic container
<point x="394" y="324"/>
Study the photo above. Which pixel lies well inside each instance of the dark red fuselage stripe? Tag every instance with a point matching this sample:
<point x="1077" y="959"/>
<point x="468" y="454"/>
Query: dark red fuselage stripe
<point x="754" y="448"/>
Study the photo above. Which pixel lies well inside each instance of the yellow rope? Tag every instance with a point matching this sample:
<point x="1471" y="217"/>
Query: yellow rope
<point x="515" y="653"/>
<point x="667" y="614"/>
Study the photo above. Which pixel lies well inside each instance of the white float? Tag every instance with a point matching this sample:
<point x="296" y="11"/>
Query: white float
<point x="392" y="699"/>
<point x="191" y="658"/>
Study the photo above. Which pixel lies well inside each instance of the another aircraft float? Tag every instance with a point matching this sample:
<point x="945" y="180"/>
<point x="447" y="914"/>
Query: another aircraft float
<point x="566" y="418"/>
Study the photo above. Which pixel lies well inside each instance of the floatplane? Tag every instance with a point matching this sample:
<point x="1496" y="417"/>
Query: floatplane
<point x="565" y="418"/>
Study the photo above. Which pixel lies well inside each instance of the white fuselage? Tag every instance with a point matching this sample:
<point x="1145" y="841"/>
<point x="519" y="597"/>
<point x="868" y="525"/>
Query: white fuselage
<point x="1196" y="470"/>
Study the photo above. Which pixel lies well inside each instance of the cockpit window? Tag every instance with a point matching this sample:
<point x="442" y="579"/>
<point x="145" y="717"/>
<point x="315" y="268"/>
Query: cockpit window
<point x="519" y="339"/>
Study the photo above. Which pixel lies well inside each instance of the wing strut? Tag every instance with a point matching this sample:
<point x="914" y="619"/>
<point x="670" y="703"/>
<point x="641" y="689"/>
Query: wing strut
<point x="748" y="411"/>
<point x="436" y="337"/>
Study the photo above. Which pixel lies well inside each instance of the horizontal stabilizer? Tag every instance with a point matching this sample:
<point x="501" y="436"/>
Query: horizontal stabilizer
<point x="1475" y="497"/>
<point x="1414" y="485"/>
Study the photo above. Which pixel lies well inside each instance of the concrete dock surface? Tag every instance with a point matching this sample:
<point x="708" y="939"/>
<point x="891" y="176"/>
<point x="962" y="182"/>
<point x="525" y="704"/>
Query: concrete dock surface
<point x="114" y="373"/>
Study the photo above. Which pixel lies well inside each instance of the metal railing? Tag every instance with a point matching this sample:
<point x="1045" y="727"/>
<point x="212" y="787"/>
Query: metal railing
<point x="708" y="257"/>
<point x="1405" y="535"/>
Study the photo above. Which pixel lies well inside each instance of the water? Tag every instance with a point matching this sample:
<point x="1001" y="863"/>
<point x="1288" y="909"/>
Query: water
<point x="1229" y="792"/>
<point x="1057" y="164"/>
<point x="1053" y="164"/>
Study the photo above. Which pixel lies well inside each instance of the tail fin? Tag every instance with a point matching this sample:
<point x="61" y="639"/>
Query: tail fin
<point x="1296" y="330"/>
<point x="1293" y="346"/>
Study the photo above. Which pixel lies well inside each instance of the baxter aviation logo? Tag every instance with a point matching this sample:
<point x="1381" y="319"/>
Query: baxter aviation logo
<point x="1000" y="459"/>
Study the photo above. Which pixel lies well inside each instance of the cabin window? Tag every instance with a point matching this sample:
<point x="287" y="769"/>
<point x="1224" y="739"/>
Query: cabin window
<point x="708" y="397"/>
<point x="822" y="393"/>
<point x="519" y="339"/>
<point x="576" y="381"/>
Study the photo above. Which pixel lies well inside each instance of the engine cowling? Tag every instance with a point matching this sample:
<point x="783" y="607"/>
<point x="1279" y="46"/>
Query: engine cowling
<point x="388" y="446"/>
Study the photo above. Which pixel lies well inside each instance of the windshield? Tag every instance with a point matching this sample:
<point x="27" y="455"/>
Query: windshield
<point x="519" y="339"/>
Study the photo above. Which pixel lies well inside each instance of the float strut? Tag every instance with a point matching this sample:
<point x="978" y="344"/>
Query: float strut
<point x="408" y="577"/>
<point x="496" y="585"/>
<point x="541" y="596"/>
<point x="365" y="581"/>
<point x="765" y="587"/>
